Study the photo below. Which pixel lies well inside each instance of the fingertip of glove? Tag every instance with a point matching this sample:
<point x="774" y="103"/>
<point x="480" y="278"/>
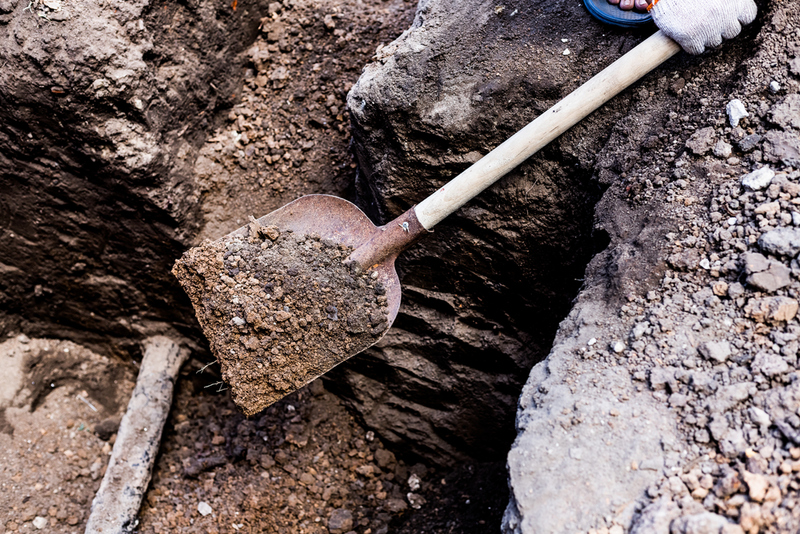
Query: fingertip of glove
<point x="749" y="14"/>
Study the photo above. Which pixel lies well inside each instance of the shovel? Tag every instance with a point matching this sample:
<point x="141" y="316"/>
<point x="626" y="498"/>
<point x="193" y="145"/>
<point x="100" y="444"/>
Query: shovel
<point x="374" y="249"/>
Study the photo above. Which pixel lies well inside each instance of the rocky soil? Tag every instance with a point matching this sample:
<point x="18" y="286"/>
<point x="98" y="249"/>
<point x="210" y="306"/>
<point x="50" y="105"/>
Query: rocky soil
<point x="303" y="465"/>
<point x="676" y="409"/>
<point x="61" y="405"/>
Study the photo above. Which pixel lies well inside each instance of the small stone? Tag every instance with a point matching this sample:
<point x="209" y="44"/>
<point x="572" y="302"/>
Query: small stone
<point x="661" y="378"/>
<point x="735" y="290"/>
<point x="39" y="522"/>
<point x="736" y="112"/>
<point x="769" y="364"/>
<point x="782" y="147"/>
<point x="366" y="470"/>
<point x="718" y="351"/>
<point x="266" y="461"/>
<point x="757" y="485"/>
<point x="733" y="444"/>
<point x="676" y="486"/>
<point x="768" y="208"/>
<point x="758" y="179"/>
<point x="723" y="149"/>
<point x="272" y="232"/>
<point x="688" y="260"/>
<point x="720" y="288"/>
<point x="771" y="280"/>
<point x="781" y="242"/>
<point x="771" y="309"/>
<point x="702" y="523"/>
<point x="759" y="416"/>
<point x="749" y="143"/>
<point x="774" y="87"/>
<point x="787" y="113"/>
<point x="678" y="400"/>
<point x="95" y="470"/>
<point x="618" y="347"/>
<point x="340" y="521"/>
<point x="753" y="262"/>
<point x="727" y="485"/>
<point x="395" y="505"/>
<point x="416" y="501"/>
<point x="106" y="428"/>
<point x="656" y="517"/>
<point x="204" y="508"/>
<point x="796" y="218"/>
<point x="701" y="141"/>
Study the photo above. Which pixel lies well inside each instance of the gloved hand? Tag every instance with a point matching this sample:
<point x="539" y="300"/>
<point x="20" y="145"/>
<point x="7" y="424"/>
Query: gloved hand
<point x="696" y="24"/>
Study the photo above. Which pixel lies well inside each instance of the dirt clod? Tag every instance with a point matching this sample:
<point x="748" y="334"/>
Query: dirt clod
<point x="280" y="309"/>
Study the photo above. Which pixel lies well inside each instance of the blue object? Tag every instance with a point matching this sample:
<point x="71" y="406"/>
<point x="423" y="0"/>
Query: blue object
<point x="612" y="14"/>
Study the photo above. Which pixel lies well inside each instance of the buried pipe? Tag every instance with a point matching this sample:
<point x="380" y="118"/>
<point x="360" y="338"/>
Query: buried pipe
<point x="116" y="505"/>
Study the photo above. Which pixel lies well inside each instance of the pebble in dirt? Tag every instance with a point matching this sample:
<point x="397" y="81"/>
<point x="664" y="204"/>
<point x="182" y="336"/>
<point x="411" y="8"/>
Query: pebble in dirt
<point x="279" y="309"/>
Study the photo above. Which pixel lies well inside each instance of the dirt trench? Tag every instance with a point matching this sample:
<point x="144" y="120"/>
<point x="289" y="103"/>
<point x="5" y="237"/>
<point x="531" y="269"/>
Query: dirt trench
<point x="121" y="149"/>
<point x="187" y="118"/>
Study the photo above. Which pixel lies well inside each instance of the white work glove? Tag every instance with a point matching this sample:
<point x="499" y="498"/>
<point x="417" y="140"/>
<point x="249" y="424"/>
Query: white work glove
<point x="697" y="24"/>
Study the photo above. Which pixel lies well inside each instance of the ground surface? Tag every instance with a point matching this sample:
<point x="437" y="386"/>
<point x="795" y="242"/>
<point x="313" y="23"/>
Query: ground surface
<point x="675" y="410"/>
<point x="303" y="465"/>
<point x="56" y="398"/>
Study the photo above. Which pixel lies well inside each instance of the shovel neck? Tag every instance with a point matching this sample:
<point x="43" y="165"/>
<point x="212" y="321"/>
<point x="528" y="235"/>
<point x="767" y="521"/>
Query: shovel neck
<point x="389" y="240"/>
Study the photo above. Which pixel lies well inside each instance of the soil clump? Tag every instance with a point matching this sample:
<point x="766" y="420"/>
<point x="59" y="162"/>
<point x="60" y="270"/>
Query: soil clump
<point x="280" y="309"/>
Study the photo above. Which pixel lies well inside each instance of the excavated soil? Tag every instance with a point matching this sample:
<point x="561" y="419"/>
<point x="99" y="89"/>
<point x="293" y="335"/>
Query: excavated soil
<point x="303" y="465"/>
<point x="280" y="309"/>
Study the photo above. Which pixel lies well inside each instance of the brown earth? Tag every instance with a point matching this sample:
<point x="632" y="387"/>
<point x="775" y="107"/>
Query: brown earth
<point x="280" y="309"/>
<point x="283" y="135"/>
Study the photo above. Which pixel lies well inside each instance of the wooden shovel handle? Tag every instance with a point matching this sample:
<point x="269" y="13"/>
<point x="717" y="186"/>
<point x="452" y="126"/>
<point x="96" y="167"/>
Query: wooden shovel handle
<point x="549" y="125"/>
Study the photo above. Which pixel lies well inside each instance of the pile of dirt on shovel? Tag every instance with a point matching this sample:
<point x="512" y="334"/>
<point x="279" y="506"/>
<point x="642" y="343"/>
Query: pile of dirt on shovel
<point x="280" y="309"/>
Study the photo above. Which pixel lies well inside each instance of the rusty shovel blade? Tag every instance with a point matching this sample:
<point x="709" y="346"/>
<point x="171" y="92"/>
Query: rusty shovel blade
<point x="341" y="221"/>
<point x="257" y="379"/>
